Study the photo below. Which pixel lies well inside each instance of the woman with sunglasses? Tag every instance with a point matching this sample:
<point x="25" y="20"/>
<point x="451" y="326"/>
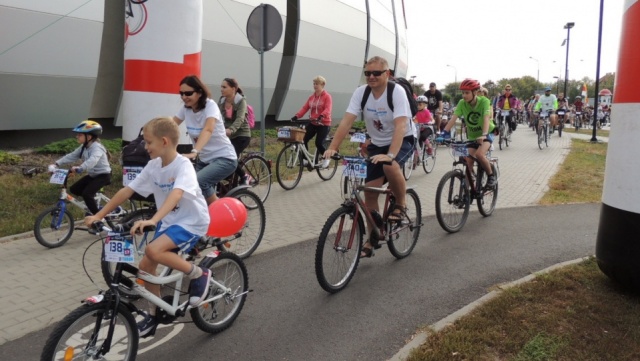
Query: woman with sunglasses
<point x="215" y="158"/>
<point x="319" y="105"/>
<point x="233" y="107"/>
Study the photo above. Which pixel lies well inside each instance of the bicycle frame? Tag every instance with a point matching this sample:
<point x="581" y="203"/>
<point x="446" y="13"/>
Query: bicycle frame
<point x="470" y="179"/>
<point x="65" y="198"/>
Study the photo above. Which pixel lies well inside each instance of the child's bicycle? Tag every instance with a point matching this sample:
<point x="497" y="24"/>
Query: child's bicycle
<point x="293" y="156"/>
<point x="341" y="239"/>
<point x="459" y="187"/>
<point x="105" y="328"/>
<point x="54" y="226"/>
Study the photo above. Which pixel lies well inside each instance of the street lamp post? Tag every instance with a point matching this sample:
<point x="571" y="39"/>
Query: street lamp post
<point x="567" y="26"/>
<point x="455" y="73"/>
<point x="537" y="61"/>
<point x="557" y="78"/>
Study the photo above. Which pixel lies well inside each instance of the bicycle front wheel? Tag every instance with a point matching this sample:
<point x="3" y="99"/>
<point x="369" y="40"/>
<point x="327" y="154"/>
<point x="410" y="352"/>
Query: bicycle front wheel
<point x="407" y="169"/>
<point x="289" y="166"/>
<point x="338" y="249"/>
<point x="53" y="227"/>
<point x="403" y="236"/>
<point x="327" y="173"/>
<point x="487" y="202"/>
<point x="260" y="171"/>
<point x="540" y="137"/>
<point x="253" y="229"/>
<point x="501" y="138"/>
<point x="452" y="201"/>
<point x="231" y="281"/>
<point x="546" y="135"/>
<point x="80" y="335"/>
<point x="429" y="161"/>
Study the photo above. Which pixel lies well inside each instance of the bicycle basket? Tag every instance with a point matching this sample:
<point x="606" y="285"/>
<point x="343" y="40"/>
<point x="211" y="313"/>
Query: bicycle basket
<point x="459" y="150"/>
<point x="288" y="134"/>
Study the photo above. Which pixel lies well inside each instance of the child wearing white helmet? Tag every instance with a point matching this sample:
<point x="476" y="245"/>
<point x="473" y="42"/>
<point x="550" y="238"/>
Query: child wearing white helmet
<point x="425" y="122"/>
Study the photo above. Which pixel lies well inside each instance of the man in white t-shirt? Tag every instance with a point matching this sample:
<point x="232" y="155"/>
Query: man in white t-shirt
<point x="389" y="126"/>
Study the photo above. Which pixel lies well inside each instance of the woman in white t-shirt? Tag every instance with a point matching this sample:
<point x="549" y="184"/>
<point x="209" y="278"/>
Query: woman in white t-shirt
<point x="215" y="157"/>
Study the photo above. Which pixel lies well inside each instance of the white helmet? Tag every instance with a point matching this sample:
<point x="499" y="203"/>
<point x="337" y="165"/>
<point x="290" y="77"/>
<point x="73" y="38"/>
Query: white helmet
<point x="422" y="99"/>
<point x="578" y="97"/>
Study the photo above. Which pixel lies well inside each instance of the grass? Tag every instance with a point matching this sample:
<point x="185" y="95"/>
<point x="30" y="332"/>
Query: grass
<point x="574" y="313"/>
<point x="28" y="197"/>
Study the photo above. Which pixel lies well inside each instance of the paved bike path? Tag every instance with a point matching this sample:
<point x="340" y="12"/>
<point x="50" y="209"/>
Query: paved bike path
<point x="39" y="286"/>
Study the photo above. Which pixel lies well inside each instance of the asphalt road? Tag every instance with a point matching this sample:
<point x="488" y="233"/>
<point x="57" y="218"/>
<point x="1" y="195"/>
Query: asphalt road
<point x="289" y="317"/>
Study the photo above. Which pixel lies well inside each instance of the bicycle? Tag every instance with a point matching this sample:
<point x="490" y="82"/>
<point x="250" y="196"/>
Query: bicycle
<point x="354" y="165"/>
<point x="561" y="120"/>
<point x="105" y="324"/>
<point x="54" y="226"/>
<point x="258" y="168"/>
<point x="292" y="157"/>
<point x="577" y="120"/>
<point x="421" y="154"/>
<point x="340" y="242"/>
<point x="543" y="129"/>
<point x="504" y="130"/>
<point x="461" y="185"/>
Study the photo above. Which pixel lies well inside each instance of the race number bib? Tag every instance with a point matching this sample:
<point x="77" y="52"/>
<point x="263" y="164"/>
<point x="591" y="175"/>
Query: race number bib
<point x="284" y="133"/>
<point x="58" y="176"/>
<point x="129" y="174"/>
<point x="359" y="138"/>
<point x="504" y="113"/>
<point x="118" y="248"/>
<point x="355" y="166"/>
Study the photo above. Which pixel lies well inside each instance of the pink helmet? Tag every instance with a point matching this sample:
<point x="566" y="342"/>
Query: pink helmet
<point x="469" y="84"/>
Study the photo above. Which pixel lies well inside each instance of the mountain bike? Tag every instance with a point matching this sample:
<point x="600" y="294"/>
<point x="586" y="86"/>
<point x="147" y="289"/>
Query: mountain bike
<point x="577" y="120"/>
<point x="504" y="135"/>
<point x="54" y="226"/>
<point x="561" y="121"/>
<point x="459" y="187"/>
<point x="341" y="239"/>
<point x="543" y="128"/>
<point x="104" y="326"/>
<point x="293" y="156"/>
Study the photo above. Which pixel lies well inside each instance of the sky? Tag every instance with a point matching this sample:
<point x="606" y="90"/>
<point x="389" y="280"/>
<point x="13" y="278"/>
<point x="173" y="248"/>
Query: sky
<point x="492" y="40"/>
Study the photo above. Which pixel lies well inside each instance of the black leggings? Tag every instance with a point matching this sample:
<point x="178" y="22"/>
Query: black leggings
<point x="240" y="144"/>
<point x="322" y="131"/>
<point x="88" y="186"/>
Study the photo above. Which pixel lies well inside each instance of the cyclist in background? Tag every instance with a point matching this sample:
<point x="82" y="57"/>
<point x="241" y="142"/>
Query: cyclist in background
<point x="233" y="107"/>
<point x="510" y="102"/>
<point x="434" y="96"/>
<point x="391" y="134"/>
<point x="423" y="116"/>
<point x="477" y="112"/>
<point x="563" y="109"/>
<point x="578" y="108"/>
<point x="95" y="162"/>
<point x="548" y="102"/>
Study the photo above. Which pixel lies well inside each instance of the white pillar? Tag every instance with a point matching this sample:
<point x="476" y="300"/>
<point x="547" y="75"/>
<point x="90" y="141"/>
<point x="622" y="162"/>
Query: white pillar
<point x="163" y="44"/>
<point x="618" y="241"/>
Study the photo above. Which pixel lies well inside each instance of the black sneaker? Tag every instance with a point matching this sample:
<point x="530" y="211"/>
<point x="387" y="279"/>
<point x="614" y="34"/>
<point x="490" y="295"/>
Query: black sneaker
<point x="491" y="181"/>
<point x="147" y="327"/>
<point x="199" y="288"/>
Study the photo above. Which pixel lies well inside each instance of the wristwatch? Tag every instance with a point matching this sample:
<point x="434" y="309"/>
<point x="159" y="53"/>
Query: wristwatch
<point x="391" y="155"/>
<point x="194" y="150"/>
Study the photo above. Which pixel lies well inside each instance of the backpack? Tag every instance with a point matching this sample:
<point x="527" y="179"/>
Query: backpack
<point x="251" y="118"/>
<point x="404" y="83"/>
<point x="134" y="154"/>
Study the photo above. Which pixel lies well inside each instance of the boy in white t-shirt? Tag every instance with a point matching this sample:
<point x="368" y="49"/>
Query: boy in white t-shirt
<point x="182" y="216"/>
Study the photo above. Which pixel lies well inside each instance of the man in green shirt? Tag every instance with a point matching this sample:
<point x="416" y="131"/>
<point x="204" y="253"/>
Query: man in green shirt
<point x="476" y="111"/>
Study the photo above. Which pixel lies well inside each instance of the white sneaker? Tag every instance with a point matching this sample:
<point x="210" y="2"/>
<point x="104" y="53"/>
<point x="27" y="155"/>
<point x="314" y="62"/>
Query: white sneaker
<point x="305" y="163"/>
<point x="326" y="163"/>
<point x="491" y="148"/>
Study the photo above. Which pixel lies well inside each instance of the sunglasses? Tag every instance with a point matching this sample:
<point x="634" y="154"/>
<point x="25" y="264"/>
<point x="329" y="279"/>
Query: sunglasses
<point x="375" y="73"/>
<point x="508" y="89"/>
<point x="187" y="93"/>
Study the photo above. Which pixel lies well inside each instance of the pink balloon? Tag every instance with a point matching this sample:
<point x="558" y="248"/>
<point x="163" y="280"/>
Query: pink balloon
<point x="227" y="217"/>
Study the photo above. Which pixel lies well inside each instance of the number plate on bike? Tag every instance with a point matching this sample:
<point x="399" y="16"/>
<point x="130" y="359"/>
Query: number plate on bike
<point x="284" y="133"/>
<point x="118" y="248"/>
<point x="504" y="113"/>
<point x="359" y="138"/>
<point x="59" y="176"/>
<point x="129" y="174"/>
<point x="355" y="166"/>
<point x="459" y="150"/>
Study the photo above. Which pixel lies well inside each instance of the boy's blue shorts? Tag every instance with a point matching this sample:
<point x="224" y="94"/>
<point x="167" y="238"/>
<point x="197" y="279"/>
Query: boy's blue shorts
<point x="182" y="238"/>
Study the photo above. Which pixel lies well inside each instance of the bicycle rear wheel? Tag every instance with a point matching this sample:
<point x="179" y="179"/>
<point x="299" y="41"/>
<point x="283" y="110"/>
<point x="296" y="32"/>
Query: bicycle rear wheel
<point x="403" y="236"/>
<point x="253" y="229"/>
<point x="289" y="166"/>
<point x="260" y="171"/>
<point x="487" y="202"/>
<point x="452" y="201"/>
<point x="336" y="260"/>
<point x="80" y="335"/>
<point x="228" y="270"/>
<point x="53" y="227"/>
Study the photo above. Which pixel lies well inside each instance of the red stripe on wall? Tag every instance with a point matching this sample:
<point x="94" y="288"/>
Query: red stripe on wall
<point x="159" y="76"/>
<point x="628" y="74"/>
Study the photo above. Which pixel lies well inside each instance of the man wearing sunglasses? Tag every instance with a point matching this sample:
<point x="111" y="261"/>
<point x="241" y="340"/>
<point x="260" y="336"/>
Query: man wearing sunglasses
<point x="435" y="104"/>
<point x="391" y="134"/>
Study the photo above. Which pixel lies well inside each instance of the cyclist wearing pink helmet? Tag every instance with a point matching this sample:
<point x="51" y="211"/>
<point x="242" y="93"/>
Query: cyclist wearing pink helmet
<point x="476" y="111"/>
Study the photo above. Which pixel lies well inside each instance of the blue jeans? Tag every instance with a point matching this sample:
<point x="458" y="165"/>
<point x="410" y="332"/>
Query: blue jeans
<point x="210" y="174"/>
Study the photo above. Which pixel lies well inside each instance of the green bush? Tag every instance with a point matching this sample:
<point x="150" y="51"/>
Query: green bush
<point x="8" y="158"/>
<point x="69" y="145"/>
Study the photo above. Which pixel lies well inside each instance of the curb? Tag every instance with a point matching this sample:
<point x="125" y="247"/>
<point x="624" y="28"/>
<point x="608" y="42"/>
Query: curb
<point x="15" y="237"/>
<point x="421" y="337"/>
